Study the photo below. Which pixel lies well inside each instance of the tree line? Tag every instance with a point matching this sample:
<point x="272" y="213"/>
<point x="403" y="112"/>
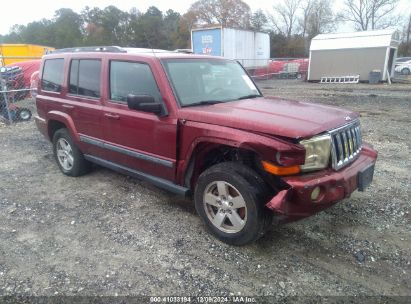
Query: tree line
<point x="291" y="24"/>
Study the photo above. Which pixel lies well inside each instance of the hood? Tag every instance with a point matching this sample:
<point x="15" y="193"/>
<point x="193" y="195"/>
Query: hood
<point x="275" y="116"/>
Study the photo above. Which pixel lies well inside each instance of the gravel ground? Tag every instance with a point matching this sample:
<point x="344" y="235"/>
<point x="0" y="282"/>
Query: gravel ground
<point x="107" y="234"/>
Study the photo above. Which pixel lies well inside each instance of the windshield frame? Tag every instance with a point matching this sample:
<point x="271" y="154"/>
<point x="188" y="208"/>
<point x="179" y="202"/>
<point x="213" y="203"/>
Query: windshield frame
<point x="163" y="62"/>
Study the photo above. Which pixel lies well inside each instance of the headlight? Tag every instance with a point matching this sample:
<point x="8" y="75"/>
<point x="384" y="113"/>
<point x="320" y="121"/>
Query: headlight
<point x="317" y="152"/>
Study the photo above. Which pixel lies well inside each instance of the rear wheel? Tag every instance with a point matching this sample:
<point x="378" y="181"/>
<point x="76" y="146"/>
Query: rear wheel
<point x="405" y="71"/>
<point x="230" y="197"/>
<point x="69" y="158"/>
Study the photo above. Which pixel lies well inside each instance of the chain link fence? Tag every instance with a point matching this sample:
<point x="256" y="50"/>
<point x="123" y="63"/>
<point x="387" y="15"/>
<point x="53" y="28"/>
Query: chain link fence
<point x="18" y="82"/>
<point x="277" y="68"/>
<point x="403" y="75"/>
<point x="17" y="88"/>
<point x="297" y="68"/>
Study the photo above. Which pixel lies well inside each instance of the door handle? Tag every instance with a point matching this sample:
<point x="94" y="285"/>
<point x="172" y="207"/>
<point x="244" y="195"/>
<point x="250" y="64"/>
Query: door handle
<point x="69" y="107"/>
<point x="112" y="116"/>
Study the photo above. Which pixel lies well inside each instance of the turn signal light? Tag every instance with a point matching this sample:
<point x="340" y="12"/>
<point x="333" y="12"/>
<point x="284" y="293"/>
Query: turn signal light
<point x="278" y="170"/>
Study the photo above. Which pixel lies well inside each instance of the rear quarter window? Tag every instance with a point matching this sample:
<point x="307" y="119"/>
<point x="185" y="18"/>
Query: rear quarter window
<point x="52" y="78"/>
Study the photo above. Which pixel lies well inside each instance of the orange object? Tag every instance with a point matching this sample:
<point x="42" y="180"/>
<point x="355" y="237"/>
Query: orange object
<point x="11" y="53"/>
<point x="278" y="170"/>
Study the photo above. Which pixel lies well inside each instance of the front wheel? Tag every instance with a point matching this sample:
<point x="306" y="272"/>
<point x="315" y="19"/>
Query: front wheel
<point x="230" y="197"/>
<point x="405" y="71"/>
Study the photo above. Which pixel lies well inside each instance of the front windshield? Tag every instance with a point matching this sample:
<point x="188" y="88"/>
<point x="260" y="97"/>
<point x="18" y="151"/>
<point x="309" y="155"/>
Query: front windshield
<point x="208" y="81"/>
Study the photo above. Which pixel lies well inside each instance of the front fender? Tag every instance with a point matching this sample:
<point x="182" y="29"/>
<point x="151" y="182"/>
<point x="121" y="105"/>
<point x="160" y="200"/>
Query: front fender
<point x="195" y="133"/>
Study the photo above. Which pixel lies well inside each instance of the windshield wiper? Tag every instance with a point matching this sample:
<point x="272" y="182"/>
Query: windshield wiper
<point x="249" y="96"/>
<point x="205" y="103"/>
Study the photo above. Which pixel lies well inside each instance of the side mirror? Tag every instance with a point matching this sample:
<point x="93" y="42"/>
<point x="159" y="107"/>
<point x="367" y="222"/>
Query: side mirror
<point x="144" y="103"/>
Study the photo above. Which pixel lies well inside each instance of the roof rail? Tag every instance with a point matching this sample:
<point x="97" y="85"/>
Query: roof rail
<point x="185" y="51"/>
<point x="105" y="49"/>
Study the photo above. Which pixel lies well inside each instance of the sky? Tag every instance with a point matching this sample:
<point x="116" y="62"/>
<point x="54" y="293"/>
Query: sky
<point x="36" y="10"/>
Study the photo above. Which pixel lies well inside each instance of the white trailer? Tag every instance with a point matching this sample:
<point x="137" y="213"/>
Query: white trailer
<point x="252" y="49"/>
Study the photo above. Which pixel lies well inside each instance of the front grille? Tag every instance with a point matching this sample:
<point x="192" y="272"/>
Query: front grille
<point x="346" y="144"/>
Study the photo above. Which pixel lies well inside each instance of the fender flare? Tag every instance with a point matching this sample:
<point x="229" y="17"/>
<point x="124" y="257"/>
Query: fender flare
<point x="65" y="119"/>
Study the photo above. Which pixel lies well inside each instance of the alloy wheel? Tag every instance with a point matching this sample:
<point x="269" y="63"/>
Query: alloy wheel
<point x="65" y="154"/>
<point x="225" y="207"/>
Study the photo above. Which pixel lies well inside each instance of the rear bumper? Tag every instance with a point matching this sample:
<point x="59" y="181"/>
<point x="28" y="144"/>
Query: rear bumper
<point x="295" y="202"/>
<point x="42" y="126"/>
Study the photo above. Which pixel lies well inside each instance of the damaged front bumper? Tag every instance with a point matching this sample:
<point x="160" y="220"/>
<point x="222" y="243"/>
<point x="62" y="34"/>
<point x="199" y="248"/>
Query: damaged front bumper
<point x="329" y="186"/>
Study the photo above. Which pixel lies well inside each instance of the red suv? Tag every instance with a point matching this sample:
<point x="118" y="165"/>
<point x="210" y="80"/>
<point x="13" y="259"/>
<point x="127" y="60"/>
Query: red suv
<point x="199" y="126"/>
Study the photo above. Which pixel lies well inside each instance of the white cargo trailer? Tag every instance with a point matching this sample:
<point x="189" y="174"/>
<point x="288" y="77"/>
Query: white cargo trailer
<point x="252" y="49"/>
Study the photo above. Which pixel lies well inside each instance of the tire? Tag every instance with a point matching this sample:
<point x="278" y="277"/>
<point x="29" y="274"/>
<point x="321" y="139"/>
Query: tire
<point x="23" y="114"/>
<point x="405" y="71"/>
<point x="68" y="156"/>
<point x="227" y="186"/>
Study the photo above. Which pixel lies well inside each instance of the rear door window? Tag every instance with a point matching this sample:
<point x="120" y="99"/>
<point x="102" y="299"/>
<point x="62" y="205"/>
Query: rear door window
<point x="131" y="78"/>
<point x="85" y="77"/>
<point x="52" y="78"/>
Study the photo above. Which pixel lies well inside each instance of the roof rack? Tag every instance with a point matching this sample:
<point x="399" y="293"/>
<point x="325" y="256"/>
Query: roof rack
<point x="105" y="49"/>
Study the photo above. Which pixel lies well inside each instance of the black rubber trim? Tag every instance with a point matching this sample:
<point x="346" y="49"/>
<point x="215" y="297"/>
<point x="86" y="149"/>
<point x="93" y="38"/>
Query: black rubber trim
<point x="159" y="182"/>
<point x="101" y="144"/>
<point x="91" y="141"/>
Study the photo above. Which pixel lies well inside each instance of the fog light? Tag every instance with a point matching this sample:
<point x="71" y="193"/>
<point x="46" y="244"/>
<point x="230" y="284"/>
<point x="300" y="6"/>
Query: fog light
<point x="315" y="194"/>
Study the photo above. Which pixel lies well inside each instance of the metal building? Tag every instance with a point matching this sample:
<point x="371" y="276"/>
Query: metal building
<point x="357" y="53"/>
